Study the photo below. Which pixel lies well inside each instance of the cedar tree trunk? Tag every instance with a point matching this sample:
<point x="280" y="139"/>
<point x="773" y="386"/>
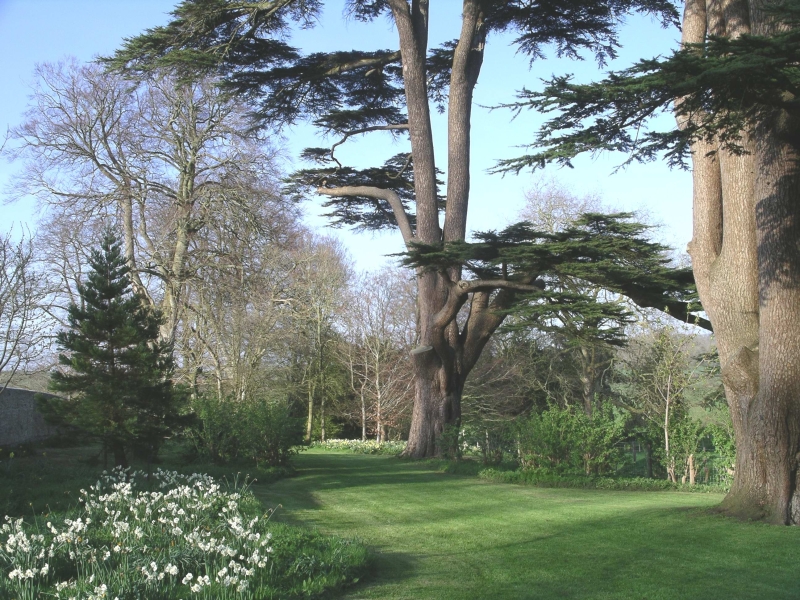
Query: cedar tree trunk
<point x="746" y="259"/>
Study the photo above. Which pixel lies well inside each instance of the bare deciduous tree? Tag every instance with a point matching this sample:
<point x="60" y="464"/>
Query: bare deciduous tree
<point x="320" y="277"/>
<point x="160" y="155"/>
<point x="23" y="294"/>
<point x="238" y="323"/>
<point x="381" y="326"/>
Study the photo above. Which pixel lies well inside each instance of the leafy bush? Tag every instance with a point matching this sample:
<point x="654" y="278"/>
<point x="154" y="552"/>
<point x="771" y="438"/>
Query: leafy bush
<point x="269" y="432"/>
<point x="214" y="432"/>
<point x="255" y="429"/>
<point x="185" y="536"/>
<point x="569" y="441"/>
<point x="492" y="441"/>
<point x="724" y="457"/>
<point x="361" y="447"/>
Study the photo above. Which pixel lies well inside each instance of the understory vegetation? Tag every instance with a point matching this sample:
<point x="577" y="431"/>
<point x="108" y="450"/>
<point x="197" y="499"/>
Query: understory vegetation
<point x="362" y="446"/>
<point x="164" y="535"/>
<point x="260" y="430"/>
<point x="545" y="478"/>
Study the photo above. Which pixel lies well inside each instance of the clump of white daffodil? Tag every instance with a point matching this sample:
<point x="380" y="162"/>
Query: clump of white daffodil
<point x="362" y="446"/>
<point x="178" y="536"/>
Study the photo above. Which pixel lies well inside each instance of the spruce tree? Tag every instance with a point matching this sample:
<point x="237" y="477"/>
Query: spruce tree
<point x="117" y="374"/>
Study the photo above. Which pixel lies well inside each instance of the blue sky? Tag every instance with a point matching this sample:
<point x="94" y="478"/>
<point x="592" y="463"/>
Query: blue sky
<point x="34" y="31"/>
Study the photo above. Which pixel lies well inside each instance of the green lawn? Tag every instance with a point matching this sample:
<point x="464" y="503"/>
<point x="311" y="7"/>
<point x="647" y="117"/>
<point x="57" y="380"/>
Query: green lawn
<point x="442" y="536"/>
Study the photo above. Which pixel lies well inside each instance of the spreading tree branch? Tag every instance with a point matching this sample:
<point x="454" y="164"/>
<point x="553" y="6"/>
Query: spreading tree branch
<point x="389" y="196"/>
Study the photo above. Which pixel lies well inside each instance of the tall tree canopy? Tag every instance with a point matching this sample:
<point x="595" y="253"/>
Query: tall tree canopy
<point x="733" y="88"/>
<point x="167" y="157"/>
<point x="349" y="93"/>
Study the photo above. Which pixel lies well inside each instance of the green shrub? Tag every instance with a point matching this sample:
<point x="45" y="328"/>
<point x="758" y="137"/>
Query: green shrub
<point x="544" y="478"/>
<point x="568" y="441"/>
<point x="213" y="434"/>
<point x="492" y="441"/>
<point x="269" y="432"/>
<point x="256" y="429"/>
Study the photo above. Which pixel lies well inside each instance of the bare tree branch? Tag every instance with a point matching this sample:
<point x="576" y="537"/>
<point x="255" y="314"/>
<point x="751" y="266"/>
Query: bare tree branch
<point x="389" y="196"/>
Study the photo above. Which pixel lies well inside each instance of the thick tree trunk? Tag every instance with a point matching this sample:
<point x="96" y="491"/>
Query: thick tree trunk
<point x="437" y="407"/>
<point x="746" y="258"/>
<point x="438" y="380"/>
<point x="765" y="482"/>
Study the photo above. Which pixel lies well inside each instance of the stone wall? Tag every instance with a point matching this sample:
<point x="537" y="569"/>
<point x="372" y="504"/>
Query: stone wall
<point x="20" y="422"/>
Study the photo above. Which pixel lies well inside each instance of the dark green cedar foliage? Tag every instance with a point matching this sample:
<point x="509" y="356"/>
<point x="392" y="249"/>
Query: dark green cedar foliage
<point x="725" y="86"/>
<point x="117" y="379"/>
<point x="609" y="251"/>
<point x="350" y="93"/>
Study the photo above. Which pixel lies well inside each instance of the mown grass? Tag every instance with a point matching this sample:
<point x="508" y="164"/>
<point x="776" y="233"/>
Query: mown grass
<point x="445" y="536"/>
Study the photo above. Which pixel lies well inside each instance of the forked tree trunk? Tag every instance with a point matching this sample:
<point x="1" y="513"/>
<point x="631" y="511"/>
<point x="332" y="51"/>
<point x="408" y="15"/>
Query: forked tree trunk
<point x="746" y="259"/>
<point x="439" y="373"/>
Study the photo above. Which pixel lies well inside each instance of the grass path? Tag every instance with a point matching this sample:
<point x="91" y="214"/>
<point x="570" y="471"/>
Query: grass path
<point x="439" y="536"/>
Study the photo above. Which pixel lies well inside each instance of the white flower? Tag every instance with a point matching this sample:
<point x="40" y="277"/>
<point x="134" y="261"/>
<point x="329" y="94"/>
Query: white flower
<point x="187" y="578"/>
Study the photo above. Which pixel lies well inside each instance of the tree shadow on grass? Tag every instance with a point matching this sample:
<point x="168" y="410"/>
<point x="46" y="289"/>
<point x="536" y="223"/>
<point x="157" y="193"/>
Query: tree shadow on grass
<point x="385" y="568"/>
<point x="472" y="539"/>
<point x="348" y="470"/>
<point x="657" y="554"/>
